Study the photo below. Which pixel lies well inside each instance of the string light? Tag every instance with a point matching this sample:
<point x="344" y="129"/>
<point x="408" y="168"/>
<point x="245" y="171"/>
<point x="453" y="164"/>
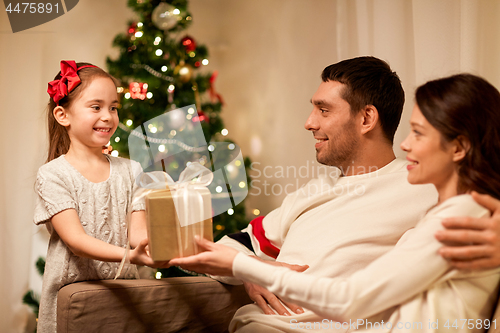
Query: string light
<point x="218" y="189"/>
<point x="159" y="52"/>
<point x="173" y="132"/>
<point x="138" y="34"/>
<point x="114" y="153"/>
<point x="204" y="62"/>
<point x="129" y="122"/>
<point x="161" y="148"/>
<point x="164" y="68"/>
<point x="230" y="211"/>
<point x="149" y="95"/>
<point x="117" y="139"/>
<point x="157" y="41"/>
<point x="127" y="95"/>
<point x="192" y="54"/>
<point x="153" y="129"/>
<point x="171" y="88"/>
<point x="256" y="212"/>
<point x="139" y="24"/>
<point x="224" y="132"/>
<point x="191" y="111"/>
<point x="158" y="275"/>
<point x="119" y="90"/>
<point x="242" y="185"/>
<point x="176" y="11"/>
<point x="237" y="163"/>
<point x="211" y="148"/>
<point x="231" y="146"/>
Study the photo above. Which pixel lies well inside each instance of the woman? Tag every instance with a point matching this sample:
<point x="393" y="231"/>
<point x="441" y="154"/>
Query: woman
<point x="454" y="144"/>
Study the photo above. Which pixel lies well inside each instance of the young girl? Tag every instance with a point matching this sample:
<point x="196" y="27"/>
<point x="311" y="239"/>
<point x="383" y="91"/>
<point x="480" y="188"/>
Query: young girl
<point x="84" y="195"/>
<point x="454" y="144"/>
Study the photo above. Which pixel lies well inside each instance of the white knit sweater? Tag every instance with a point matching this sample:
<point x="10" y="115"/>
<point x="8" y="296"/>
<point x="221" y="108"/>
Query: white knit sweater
<point x="411" y="283"/>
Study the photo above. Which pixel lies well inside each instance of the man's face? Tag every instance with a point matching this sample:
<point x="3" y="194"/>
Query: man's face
<point x="333" y="126"/>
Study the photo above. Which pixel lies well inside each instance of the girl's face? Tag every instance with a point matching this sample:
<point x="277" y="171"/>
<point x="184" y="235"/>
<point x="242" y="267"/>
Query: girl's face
<point x="93" y="116"/>
<point x="430" y="161"/>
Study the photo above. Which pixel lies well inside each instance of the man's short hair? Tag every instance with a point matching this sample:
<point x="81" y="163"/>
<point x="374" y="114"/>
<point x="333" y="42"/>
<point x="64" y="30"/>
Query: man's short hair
<point x="370" y="81"/>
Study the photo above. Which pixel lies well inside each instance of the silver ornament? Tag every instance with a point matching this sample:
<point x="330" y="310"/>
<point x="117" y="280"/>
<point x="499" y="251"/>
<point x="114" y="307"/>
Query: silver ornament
<point x="165" y="16"/>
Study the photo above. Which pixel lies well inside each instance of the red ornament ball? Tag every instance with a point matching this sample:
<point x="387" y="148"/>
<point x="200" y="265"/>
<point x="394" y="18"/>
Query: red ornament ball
<point x="200" y="117"/>
<point x="197" y="64"/>
<point x="188" y="43"/>
<point x="132" y="29"/>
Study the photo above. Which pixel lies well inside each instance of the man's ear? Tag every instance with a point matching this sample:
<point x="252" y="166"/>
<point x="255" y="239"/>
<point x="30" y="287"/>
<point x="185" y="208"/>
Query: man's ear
<point x="462" y="147"/>
<point x="369" y="118"/>
<point x="61" y="115"/>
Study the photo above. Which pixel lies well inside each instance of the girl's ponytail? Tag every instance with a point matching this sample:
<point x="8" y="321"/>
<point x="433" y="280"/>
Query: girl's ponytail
<point x="58" y="135"/>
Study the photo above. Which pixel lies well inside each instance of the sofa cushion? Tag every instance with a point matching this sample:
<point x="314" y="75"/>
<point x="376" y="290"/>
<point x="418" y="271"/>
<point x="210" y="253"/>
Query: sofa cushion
<point x="185" y="304"/>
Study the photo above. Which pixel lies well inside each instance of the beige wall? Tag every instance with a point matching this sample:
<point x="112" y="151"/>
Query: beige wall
<point x="269" y="54"/>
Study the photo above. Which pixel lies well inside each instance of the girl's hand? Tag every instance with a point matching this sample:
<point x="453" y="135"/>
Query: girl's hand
<point x="140" y="256"/>
<point x="216" y="260"/>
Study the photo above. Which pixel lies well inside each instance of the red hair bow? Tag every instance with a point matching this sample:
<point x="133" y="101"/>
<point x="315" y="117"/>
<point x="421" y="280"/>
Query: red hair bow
<point x="69" y="80"/>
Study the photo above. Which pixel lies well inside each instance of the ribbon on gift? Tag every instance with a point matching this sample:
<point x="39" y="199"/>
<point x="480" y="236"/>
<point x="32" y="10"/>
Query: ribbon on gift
<point x="187" y="198"/>
<point x="194" y="176"/>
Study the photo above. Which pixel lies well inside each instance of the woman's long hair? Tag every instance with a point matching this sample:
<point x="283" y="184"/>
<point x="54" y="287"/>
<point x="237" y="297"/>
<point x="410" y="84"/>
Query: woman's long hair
<point x="59" y="141"/>
<point x="468" y="106"/>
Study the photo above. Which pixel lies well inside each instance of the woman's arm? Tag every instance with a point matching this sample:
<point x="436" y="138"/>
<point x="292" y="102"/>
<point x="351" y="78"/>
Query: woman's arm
<point x="479" y="237"/>
<point x="412" y="267"/>
<point x="388" y="281"/>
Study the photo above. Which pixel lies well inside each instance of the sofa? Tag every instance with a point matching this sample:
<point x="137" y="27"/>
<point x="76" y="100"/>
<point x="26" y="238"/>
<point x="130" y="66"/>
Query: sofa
<point x="178" y="304"/>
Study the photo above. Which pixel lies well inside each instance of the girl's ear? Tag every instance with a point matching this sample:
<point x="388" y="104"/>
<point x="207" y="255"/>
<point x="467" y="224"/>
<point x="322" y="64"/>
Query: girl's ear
<point x="61" y="116"/>
<point x="462" y="147"/>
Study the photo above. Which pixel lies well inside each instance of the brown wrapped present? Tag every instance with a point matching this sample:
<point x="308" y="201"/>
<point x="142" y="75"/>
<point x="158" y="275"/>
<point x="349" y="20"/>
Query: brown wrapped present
<point x="174" y="217"/>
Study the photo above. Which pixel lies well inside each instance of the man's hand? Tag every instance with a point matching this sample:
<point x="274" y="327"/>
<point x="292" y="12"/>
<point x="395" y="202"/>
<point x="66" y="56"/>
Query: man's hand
<point x="478" y="238"/>
<point x="216" y="260"/>
<point x="266" y="300"/>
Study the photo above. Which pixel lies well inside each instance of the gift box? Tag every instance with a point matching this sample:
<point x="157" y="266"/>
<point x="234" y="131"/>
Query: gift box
<point x="174" y="217"/>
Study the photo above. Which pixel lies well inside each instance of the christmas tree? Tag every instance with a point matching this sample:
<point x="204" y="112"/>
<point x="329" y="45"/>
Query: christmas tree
<point x="160" y="69"/>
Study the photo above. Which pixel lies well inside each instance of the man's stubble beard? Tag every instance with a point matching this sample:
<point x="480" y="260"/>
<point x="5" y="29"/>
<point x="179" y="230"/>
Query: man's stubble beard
<point x="342" y="148"/>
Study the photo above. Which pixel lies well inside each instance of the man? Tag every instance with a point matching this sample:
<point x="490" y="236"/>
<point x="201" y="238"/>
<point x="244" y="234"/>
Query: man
<point x="340" y="223"/>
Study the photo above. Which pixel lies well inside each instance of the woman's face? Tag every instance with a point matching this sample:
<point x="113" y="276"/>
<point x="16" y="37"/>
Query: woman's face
<point x="431" y="159"/>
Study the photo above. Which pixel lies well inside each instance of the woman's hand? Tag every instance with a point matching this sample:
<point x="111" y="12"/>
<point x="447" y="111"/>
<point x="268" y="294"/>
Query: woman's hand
<point x="478" y="239"/>
<point x="216" y="260"/>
